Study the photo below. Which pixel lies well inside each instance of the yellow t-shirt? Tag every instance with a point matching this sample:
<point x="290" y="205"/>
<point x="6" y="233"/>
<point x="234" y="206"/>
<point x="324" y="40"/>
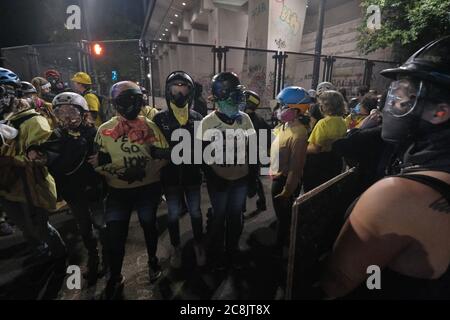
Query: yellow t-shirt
<point x="327" y="131"/>
<point x="354" y="121"/>
<point x="148" y="112"/>
<point x="288" y="153"/>
<point x="131" y="163"/>
<point x="212" y="121"/>
<point x="94" y="106"/>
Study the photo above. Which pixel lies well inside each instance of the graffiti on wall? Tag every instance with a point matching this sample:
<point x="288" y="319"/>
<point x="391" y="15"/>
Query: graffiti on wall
<point x="289" y="17"/>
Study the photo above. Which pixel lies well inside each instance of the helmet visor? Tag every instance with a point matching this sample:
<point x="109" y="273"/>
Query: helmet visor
<point x="402" y="97"/>
<point x="179" y="88"/>
<point x="68" y="116"/>
<point x="129" y="100"/>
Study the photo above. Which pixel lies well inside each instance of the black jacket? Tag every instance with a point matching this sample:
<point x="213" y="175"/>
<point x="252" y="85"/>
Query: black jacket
<point x="182" y="174"/>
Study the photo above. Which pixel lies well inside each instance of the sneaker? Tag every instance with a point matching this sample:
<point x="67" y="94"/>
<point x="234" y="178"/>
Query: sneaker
<point x="6" y="229"/>
<point x="154" y="269"/>
<point x="200" y="254"/>
<point x="113" y="289"/>
<point x="175" y="257"/>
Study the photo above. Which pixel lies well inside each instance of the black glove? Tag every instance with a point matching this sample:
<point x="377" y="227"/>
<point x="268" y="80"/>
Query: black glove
<point x="160" y="153"/>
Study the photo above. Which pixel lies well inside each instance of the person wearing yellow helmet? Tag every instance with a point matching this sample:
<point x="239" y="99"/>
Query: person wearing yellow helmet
<point x="82" y="84"/>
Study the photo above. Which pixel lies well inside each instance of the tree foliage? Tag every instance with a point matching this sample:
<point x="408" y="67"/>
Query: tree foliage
<point x="406" y="25"/>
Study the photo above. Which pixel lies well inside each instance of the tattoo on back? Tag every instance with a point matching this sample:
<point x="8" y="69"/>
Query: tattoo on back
<point x="441" y="205"/>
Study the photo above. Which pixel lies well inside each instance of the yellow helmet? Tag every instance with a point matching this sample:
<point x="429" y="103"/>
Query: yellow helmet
<point x="82" y="77"/>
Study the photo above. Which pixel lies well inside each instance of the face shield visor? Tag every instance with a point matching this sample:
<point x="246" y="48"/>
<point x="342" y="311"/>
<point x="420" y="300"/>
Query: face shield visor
<point x="69" y="116"/>
<point x="179" y="92"/>
<point x="403" y="97"/>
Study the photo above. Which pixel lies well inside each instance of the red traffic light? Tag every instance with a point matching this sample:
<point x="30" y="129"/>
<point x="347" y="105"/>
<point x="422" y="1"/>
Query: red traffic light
<point x="98" y="49"/>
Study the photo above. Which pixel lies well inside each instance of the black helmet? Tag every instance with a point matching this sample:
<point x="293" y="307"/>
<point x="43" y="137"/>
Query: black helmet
<point x="252" y="99"/>
<point x="224" y="84"/>
<point x="175" y="93"/>
<point x="430" y="64"/>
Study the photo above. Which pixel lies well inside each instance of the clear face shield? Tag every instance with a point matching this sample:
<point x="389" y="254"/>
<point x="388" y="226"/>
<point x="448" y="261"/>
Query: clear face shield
<point x="180" y="92"/>
<point x="403" y="97"/>
<point x="69" y="116"/>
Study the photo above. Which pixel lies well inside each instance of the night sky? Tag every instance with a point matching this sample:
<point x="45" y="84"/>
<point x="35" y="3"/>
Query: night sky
<point x="25" y="22"/>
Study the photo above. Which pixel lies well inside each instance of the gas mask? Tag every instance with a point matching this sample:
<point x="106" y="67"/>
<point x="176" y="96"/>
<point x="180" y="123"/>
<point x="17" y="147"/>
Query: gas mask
<point x="180" y="93"/>
<point x="129" y="105"/>
<point x="69" y="117"/>
<point x="402" y="115"/>
<point x="231" y="105"/>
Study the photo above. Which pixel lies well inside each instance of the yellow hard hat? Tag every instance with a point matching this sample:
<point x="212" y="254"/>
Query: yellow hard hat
<point x="82" y="77"/>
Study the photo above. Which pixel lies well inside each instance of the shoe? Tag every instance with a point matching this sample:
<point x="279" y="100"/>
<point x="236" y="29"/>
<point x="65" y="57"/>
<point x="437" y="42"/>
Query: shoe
<point x="6" y="229"/>
<point x="113" y="289"/>
<point x="154" y="269"/>
<point x="91" y="274"/>
<point x="200" y="254"/>
<point x="175" y="257"/>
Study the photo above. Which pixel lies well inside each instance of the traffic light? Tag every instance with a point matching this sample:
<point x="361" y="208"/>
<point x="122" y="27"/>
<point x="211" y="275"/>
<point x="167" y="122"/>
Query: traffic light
<point x="98" y="49"/>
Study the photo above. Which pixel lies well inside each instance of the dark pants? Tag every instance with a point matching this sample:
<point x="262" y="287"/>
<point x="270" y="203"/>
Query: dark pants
<point x="176" y="197"/>
<point x="227" y="203"/>
<point x="283" y="211"/>
<point x="261" y="202"/>
<point x="33" y="222"/>
<point x="78" y="200"/>
<point x="119" y="205"/>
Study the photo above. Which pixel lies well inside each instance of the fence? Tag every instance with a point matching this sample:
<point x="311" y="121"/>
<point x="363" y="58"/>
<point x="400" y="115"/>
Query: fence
<point x="149" y="63"/>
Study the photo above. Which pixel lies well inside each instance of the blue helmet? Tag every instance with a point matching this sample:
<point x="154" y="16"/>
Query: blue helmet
<point x="295" y="97"/>
<point x="7" y="77"/>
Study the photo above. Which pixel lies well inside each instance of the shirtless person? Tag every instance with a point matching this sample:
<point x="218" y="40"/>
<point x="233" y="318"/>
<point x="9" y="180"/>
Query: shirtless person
<point x="402" y="223"/>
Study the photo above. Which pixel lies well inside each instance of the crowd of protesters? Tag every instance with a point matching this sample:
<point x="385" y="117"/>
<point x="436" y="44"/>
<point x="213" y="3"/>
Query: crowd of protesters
<point x="56" y="147"/>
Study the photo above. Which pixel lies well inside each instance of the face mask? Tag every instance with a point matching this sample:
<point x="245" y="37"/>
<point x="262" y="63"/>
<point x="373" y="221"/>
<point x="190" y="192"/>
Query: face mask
<point x="286" y="114"/>
<point x="129" y="106"/>
<point x="179" y="94"/>
<point x="181" y="114"/>
<point x="228" y="108"/>
<point x="69" y="117"/>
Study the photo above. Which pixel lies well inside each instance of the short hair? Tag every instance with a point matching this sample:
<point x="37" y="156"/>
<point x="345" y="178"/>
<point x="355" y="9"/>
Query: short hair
<point x="332" y="103"/>
<point x="369" y="102"/>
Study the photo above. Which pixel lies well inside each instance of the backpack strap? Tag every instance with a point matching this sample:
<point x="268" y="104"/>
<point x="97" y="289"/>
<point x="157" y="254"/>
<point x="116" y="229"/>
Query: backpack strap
<point x="438" y="185"/>
<point x="18" y="122"/>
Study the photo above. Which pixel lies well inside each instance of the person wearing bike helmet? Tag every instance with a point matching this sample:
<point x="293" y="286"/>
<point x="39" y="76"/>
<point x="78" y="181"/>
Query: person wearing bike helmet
<point x="227" y="171"/>
<point x="182" y="180"/>
<point x="402" y="223"/>
<point x="28" y="91"/>
<point x="132" y="175"/>
<point x="27" y="190"/>
<point x="288" y="154"/>
<point x="54" y="77"/>
<point x="66" y="154"/>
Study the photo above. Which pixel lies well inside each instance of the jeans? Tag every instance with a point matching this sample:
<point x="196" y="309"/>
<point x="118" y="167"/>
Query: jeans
<point x="175" y="197"/>
<point x="119" y="205"/>
<point x="33" y="222"/>
<point x="227" y="204"/>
